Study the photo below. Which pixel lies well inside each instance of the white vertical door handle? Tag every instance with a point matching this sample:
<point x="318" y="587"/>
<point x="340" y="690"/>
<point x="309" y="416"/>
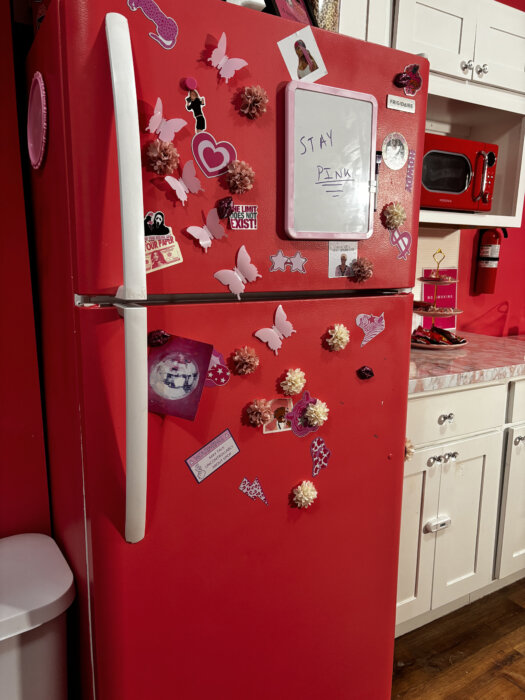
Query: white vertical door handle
<point x="129" y="159"/>
<point x="136" y="363"/>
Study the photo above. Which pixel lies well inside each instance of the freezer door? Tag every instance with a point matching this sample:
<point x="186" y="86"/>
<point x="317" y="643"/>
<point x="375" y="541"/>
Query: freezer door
<point x="237" y="595"/>
<point x="79" y="203"/>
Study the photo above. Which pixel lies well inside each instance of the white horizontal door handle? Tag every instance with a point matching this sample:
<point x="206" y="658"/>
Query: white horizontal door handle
<point x="136" y="363"/>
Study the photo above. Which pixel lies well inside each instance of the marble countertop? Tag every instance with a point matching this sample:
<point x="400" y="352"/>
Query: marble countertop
<point x="483" y="359"/>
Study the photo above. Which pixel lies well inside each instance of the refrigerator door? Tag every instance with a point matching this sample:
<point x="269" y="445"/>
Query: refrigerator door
<point x="71" y="52"/>
<point x="237" y="595"/>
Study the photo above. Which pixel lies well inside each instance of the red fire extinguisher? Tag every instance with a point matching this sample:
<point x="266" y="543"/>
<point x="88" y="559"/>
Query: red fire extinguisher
<point x="489" y="244"/>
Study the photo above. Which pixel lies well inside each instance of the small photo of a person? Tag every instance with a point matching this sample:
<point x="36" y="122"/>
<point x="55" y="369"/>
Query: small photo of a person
<point x="195" y="103"/>
<point x="306" y="62"/>
<point x="157" y="259"/>
<point x="279" y="422"/>
<point x="343" y="270"/>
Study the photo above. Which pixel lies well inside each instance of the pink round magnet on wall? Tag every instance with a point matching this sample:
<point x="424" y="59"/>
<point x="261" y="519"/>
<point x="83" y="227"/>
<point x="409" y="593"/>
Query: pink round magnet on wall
<point x="37" y="121"/>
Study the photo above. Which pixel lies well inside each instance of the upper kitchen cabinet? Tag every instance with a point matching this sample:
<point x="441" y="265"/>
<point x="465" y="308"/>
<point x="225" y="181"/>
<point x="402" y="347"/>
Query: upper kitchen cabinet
<point x="443" y="30"/>
<point x="480" y="41"/>
<point x="369" y="20"/>
<point x="476" y="90"/>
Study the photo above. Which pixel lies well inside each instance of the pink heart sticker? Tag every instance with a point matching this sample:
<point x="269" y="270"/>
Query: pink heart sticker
<point x="212" y="158"/>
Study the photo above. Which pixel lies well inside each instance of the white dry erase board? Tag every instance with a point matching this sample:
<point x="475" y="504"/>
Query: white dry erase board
<point x="330" y="162"/>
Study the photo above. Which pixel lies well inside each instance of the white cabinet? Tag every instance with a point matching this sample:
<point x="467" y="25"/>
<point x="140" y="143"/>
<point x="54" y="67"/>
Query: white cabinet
<point x="476" y="90"/>
<point x="369" y="20"/>
<point x="499" y="54"/>
<point x="443" y="30"/>
<point x="448" y="527"/>
<point x="511" y="547"/>
<point x="483" y="41"/>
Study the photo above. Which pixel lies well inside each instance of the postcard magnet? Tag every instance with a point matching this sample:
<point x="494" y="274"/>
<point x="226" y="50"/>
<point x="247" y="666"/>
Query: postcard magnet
<point x="177" y="371"/>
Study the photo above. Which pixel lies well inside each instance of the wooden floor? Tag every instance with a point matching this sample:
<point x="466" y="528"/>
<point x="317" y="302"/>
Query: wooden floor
<point x="477" y="652"/>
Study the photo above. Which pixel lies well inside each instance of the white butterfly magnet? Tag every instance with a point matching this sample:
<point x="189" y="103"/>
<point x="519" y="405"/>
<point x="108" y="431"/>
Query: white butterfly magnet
<point x="211" y="231"/>
<point x="189" y="182"/>
<point x="244" y="271"/>
<point x="164" y="128"/>
<point x="226" y="66"/>
<point x="273" y="336"/>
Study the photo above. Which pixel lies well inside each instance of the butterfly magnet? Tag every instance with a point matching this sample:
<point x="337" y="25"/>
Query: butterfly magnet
<point x="188" y="182"/>
<point x="164" y="128"/>
<point x="212" y="230"/>
<point x="244" y="271"/>
<point x="226" y="66"/>
<point x="273" y="336"/>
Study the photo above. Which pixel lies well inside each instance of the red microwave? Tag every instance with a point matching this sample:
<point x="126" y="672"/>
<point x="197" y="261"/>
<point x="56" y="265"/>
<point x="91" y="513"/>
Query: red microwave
<point x="458" y="174"/>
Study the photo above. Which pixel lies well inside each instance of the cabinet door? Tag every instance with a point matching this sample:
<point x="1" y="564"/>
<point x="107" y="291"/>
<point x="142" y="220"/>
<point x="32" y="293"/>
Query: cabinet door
<point x="443" y="30"/>
<point x="468" y="495"/>
<point x="416" y="548"/>
<point x="369" y="20"/>
<point x="511" y="550"/>
<point x="500" y="46"/>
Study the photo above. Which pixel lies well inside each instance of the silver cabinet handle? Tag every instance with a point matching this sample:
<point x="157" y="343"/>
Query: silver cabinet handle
<point x="467" y="65"/>
<point x="445" y="418"/>
<point x="432" y="461"/>
<point x="520" y="438"/>
<point x="482" y="70"/>
<point x="451" y="456"/>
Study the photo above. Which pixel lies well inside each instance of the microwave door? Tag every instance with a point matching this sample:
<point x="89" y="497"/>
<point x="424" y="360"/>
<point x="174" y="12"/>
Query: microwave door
<point x="446" y="173"/>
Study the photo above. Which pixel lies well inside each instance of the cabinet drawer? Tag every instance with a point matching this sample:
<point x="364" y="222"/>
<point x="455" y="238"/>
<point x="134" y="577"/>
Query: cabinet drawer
<point x="516" y="407"/>
<point x="451" y="415"/>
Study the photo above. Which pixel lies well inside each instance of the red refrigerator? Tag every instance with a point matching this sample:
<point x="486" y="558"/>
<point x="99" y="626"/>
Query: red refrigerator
<point x="233" y="530"/>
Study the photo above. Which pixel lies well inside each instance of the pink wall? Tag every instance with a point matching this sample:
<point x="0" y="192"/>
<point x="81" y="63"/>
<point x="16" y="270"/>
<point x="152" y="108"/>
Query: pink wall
<point x="501" y="313"/>
<point x="24" y="503"/>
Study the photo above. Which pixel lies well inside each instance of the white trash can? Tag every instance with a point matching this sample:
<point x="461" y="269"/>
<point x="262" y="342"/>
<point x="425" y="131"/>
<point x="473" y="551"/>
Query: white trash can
<point x="36" y="588"/>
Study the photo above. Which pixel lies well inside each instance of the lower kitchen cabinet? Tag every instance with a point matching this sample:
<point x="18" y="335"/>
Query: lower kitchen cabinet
<point x="511" y="548"/>
<point x="449" y="519"/>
